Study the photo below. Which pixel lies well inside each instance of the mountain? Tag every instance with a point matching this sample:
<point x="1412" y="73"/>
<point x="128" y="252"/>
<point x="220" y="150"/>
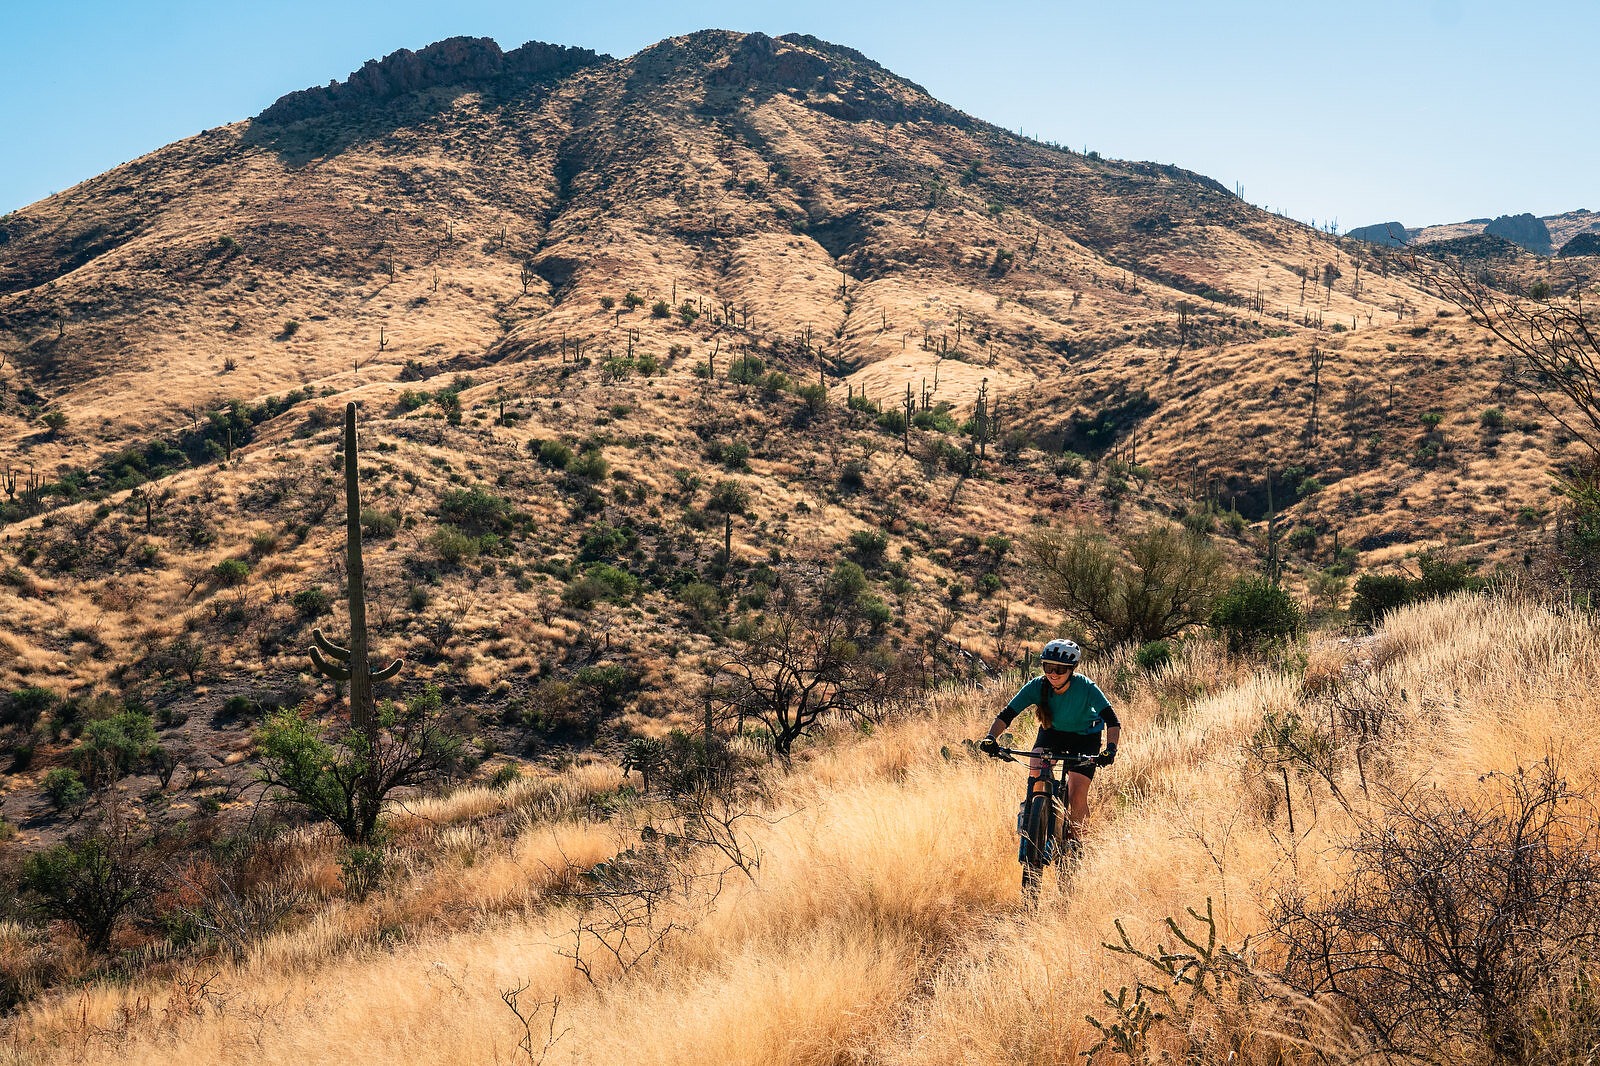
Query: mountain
<point x="573" y="294"/>
<point x="1541" y="236"/>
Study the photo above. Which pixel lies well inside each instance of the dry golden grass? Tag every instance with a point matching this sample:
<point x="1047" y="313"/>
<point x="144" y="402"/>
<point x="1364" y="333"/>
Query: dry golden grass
<point x="884" y="921"/>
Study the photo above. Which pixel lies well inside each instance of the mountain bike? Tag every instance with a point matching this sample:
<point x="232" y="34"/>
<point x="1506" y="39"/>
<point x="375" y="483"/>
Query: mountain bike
<point x="1045" y="832"/>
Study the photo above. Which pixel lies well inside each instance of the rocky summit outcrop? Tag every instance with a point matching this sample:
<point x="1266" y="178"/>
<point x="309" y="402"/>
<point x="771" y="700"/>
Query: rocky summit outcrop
<point x="1524" y="230"/>
<point x="1390" y="234"/>
<point x="470" y="61"/>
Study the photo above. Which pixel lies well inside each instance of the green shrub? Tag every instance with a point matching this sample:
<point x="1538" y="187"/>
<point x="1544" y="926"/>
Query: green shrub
<point x="118" y="743"/>
<point x="475" y="510"/>
<point x="552" y="453"/>
<point x="231" y="573"/>
<point x="937" y="418"/>
<point x="311" y="603"/>
<point x="376" y="523"/>
<point x="867" y="546"/>
<point x="25" y="706"/>
<point x="1254" y="611"/>
<point x="1378" y="594"/>
<point x="660" y="309"/>
<point x="507" y="773"/>
<point x="64" y="787"/>
<point x="1153" y="656"/>
<point x="590" y="465"/>
<point x="746" y="370"/>
<point x="454" y="546"/>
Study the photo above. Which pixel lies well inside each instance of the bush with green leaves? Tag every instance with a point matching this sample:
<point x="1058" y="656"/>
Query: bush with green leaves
<point x="231" y="573"/>
<point x="936" y="418"/>
<point x="64" y="788"/>
<point x="867" y="546"/>
<point x="1378" y="594"/>
<point x="311" y="603"/>
<point x="1150" y="587"/>
<point x="1153" y="656"/>
<point x="746" y="370"/>
<point x="93" y="881"/>
<point x="342" y="776"/>
<point x="589" y="465"/>
<point x="116" y="745"/>
<point x="25" y="706"/>
<point x="1254" y="612"/>
<point x="551" y="453"/>
<point x="474" y="510"/>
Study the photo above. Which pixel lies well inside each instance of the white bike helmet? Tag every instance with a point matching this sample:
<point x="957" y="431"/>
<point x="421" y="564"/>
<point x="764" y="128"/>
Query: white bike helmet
<point x="1064" y="652"/>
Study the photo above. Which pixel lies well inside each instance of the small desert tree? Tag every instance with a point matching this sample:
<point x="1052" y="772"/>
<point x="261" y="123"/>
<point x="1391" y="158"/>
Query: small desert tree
<point x="1155" y="585"/>
<point x="804" y="662"/>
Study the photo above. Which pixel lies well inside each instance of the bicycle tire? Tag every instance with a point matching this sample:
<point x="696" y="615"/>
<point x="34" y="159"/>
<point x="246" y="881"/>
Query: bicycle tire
<point x="1038" y="837"/>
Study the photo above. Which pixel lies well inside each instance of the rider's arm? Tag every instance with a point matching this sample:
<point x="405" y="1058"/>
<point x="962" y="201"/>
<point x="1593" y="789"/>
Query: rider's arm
<point x="1113" y="727"/>
<point x="1023" y="698"/>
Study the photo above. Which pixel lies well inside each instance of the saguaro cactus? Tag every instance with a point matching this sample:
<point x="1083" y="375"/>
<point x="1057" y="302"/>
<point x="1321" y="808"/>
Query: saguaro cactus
<point x="351" y="664"/>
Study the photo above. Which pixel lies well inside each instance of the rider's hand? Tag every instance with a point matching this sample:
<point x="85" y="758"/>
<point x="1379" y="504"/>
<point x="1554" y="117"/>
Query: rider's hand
<point x="990" y="747"/>
<point x="1107" y="757"/>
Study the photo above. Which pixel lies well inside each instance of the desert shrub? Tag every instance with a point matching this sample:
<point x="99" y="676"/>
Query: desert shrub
<point x="1378" y="594"/>
<point x="1254" y="611"/>
<point x="607" y="686"/>
<point x="602" y="540"/>
<point x="91" y="882"/>
<point x="231" y="573"/>
<point x="454" y="546"/>
<point x="589" y="465"/>
<point x="1153" y="656"/>
<point x="376" y="523"/>
<point x="116" y="744"/>
<point x="551" y="453"/>
<point x="64" y="787"/>
<point x="343" y="776"/>
<point x="475" y="510"/>
<point x="703" y="602"/>
<point x="311" y="603"/>
<point x="867" y="546"/>
<point x="25" y="706"/>
<point x="1152" y="587"/>
<point x="937" y="418"/>
<point x="814" y="397"/>
<point x="746" y="370"/>
<point x="1456" y="920"/>
<point x="660" y="309"/>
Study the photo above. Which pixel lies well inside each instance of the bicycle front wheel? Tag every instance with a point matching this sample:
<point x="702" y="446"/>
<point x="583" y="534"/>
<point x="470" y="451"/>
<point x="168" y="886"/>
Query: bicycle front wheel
<point x="1038" y="839"/>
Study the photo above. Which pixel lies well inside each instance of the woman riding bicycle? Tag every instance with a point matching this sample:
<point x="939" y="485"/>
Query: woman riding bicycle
<point x="1072" y="713"/>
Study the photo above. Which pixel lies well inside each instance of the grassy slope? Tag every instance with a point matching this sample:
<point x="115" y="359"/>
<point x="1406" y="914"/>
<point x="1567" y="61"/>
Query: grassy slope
<point x="883" y="923"/>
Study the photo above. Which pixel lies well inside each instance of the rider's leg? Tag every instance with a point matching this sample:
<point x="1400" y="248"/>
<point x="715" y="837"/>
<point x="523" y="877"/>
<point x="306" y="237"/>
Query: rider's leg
<point x="1077" y="802"/>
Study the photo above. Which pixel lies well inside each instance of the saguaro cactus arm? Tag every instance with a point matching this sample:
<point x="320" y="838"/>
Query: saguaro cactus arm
<point x="388" y="671"/>
<point x="328" y="646"/>
<point x="327" y="669"/>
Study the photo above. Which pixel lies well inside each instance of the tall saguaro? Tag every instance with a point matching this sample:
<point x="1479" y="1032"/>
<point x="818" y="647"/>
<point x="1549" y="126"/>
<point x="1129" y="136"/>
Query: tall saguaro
<point x="351" y="663"/>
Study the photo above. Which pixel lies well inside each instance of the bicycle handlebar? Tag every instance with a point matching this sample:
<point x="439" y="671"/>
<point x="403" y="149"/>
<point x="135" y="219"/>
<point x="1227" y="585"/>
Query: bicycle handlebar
<point x="1070" y="762"/>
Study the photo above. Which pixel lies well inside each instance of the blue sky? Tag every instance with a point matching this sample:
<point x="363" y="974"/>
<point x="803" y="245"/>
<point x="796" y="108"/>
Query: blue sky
<point x="1418" y="111"/>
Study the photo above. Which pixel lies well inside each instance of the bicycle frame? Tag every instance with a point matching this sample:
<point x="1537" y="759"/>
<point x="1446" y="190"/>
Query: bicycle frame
<point x="1043" y="830"/>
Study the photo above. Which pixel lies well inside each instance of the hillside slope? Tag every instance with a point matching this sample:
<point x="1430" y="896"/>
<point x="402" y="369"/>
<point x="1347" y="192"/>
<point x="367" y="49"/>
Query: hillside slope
<point x="877" y="917"/>
<point x="573" y="295"/>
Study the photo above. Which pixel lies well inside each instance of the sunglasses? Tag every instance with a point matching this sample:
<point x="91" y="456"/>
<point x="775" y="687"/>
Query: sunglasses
<point x="1059" y="669"/>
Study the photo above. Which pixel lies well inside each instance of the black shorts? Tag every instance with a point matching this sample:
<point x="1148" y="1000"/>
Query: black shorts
<point x="1059" y="743"/>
